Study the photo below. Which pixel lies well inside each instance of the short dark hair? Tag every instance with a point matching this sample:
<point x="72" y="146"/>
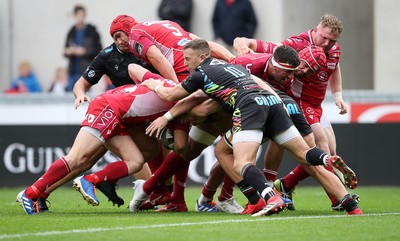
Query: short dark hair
<point x="287" y="54"/>
<point x="78" y="8"/>
<point x="200" y="45"/>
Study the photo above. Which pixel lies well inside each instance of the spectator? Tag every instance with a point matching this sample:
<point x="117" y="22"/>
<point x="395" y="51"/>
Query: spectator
<point x="233" y="18"/>
<point x="60" y="81"/>
<point x="179" y="11"/>
<point x="26" y="81"/>
<point x="82" y="45"/>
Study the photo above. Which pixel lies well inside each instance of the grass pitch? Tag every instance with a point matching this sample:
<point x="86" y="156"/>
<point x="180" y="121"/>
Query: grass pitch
<point x="72" y="219"/>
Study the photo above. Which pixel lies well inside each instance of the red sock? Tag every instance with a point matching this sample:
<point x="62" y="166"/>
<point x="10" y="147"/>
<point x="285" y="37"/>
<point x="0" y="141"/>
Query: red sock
<point x="44" y="195"/>
<point x="294" y="177"/>
<point x="208" y="192"/>
<point x="270" y="175"/>
<point x="227" y="189"/>
<point x="113" y="171"/>
<point x="332" y="198"/>
<point x="168" y="168"/>
<point x="155" y="163"/>
<point x="160" y="189"/>
<point x="178" y="195"/>
<point x="56" y="172"/>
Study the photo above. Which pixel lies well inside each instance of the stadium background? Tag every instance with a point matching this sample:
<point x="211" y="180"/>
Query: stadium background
<point x="35" y="129"/>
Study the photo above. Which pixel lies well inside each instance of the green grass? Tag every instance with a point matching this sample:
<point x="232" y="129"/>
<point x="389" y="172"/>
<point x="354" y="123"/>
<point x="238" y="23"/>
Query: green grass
<point x="72" y="219"/>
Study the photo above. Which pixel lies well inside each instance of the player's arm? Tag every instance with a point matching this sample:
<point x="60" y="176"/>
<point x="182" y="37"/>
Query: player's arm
<point x="220" y="52"/>
<point x="136" y="72"/>
<point x="335" y="83"/>
<point x="217" y="51"/>
<point x="171" y="94"/>
<point x="244" y="45"/>
<point x="182" y="107"/>
<point x="158" y="60"/>
<point x="80" y="88"/>
<point x="206" y="108"/>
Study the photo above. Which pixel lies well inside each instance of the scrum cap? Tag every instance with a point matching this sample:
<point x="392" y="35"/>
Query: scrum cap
<point x="314" y="56"/>
<point x="122" y="23"/>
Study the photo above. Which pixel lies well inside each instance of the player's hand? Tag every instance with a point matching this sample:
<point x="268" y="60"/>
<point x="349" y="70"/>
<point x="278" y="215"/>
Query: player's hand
<point x="244" y="50"/>
<point x="152" y="83"/>
<point x="342" y="106"/>
<point x="340" y="103"/>
<point x="80" y="100"/>
<point x="156" y="126"/>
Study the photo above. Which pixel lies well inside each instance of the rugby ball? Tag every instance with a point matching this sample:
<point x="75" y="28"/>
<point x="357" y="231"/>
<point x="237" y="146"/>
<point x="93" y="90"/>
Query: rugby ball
<point x="166" y="138"/>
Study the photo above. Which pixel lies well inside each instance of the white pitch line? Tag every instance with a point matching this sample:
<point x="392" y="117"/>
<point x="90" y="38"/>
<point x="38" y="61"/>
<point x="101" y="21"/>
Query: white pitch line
<point x="166" y="225"/>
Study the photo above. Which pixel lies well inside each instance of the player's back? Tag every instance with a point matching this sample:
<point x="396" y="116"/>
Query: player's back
<point x="137" y="103"/>
<point x="255" y="63"/>
<point x="166" y="35"/>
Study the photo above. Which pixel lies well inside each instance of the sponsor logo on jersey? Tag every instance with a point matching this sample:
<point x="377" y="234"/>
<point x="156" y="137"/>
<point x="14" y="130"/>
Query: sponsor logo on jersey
<point x="183" y="41"/>
<point x="108" y="50"/>
<point x="91" y="73"/>
<point x="310" y="110"/>
<point x="138" y="48"/>
<point x="216" y="62"/>
<point x="299" y="40"/>
<point x="331" y="65"/>
<point x="323" y="76"/>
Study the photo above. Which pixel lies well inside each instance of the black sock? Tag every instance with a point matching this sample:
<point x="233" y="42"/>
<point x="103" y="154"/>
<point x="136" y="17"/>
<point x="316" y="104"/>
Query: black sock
<point x="249" y="192"/>
<point x="316" y="156"/>
<point x="348" y="203"/>
<point x="255" y="178"/>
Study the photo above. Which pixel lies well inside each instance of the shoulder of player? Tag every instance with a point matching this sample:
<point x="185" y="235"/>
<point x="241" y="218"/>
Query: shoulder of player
<point x="334" y="52"/>
<point x="112" y="51"/>
<point x="108" y="50"/>
<point x="298" y="41"/>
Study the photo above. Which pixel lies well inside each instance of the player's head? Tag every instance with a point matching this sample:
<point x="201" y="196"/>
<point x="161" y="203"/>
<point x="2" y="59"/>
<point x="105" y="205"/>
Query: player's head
<point x="122" y="23"/>
<point x="328" y="31"/>
<point x="284" y="62"/>
<point x="194" y="52"/>
<point x="286" y="57"/>
<point x="313" y="59"/>
<point x="331" y="21"/>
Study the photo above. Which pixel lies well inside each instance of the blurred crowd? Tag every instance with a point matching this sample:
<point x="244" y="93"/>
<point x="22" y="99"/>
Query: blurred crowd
<point x="83" y="42"/>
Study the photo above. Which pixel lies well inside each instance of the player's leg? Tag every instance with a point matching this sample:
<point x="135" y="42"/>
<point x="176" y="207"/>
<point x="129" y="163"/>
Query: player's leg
<point x="224" y="154"/>
<point x="172" y="163"/>
<point x="245" y="146"/>
<point x="314" y="156"/>
<point x="206" y="134"/>
<point x="84" y="147"/>
<point x="272" y="160"/>
<point x="107" y="188"/>
<point x="131" y="161"/>
<point x="333" y="186"/>
<point x="177" y="200"/>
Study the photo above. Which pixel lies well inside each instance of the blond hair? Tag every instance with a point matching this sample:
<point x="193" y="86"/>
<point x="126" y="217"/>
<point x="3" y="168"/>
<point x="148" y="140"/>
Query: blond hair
<point x="332" y="22"/>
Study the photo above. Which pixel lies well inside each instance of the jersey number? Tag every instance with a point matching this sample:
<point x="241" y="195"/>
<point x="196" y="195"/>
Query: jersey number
<point x="175" y="32"/>
<point x="234" y="71"/>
